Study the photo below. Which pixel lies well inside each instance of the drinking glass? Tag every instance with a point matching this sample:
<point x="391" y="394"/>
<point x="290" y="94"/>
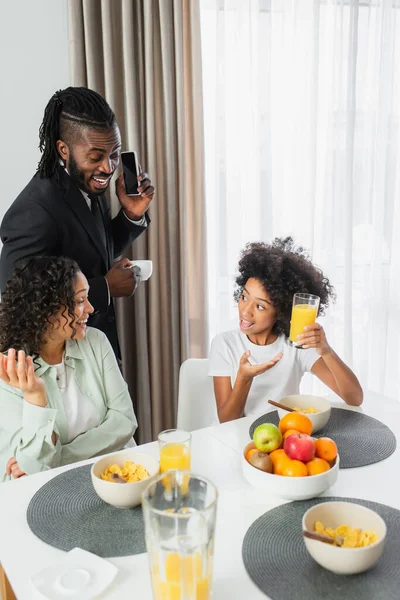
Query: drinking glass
<point x="179" y="511"/>
<point x="304" y="312"/>
<point x="174" y="446"/>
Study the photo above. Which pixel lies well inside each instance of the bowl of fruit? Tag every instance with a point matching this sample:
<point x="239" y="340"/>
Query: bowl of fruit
<point x="354" y="536"/>
<point x="317" y="409"/>
<point x="290" y="463"/>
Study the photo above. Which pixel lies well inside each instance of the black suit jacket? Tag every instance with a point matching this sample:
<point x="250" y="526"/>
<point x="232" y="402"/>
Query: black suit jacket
<point x="52" y="217"/>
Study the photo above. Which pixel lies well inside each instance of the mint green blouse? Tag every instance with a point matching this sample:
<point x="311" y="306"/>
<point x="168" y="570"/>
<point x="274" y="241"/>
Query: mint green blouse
<point x="26" y="429"/>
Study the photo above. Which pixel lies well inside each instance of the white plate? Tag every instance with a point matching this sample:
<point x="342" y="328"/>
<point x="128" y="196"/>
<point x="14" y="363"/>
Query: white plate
<point x="79" y="575"/>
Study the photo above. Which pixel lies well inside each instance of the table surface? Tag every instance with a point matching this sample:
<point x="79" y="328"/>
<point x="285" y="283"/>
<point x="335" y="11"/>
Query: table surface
<point x="215" y="454"/>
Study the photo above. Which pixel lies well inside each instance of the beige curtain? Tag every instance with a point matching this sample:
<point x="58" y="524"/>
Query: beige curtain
<point x="143" y="56"/>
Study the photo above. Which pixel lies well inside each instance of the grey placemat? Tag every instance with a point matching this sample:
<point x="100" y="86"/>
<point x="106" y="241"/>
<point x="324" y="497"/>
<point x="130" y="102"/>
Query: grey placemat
<point x="277" y="561"/>
<point x="66" y="512"/>
<point x="361" y="440"/>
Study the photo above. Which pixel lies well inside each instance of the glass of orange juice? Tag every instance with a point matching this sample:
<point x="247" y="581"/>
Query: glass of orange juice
<point x="179" y="510"/>
<point x="174" y="446"/>
<point x="304" y="312"/>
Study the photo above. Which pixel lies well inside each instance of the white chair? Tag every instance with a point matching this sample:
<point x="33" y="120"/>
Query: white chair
<point x="196" y="401"/>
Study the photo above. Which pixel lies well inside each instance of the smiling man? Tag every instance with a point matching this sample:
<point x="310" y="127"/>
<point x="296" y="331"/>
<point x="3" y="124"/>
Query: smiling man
<point x="63" y="211"/>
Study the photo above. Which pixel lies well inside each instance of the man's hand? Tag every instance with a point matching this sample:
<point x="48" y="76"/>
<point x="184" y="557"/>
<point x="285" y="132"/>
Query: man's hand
<point x="121" y="279"/>
<point x="13" y="469"/>
<point x="135" y="206"/>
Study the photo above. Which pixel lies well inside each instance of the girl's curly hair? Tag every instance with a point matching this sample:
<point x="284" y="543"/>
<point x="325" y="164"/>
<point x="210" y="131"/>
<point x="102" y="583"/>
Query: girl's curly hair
<point x="39" y="288"/>
<point x="283" y="270"/>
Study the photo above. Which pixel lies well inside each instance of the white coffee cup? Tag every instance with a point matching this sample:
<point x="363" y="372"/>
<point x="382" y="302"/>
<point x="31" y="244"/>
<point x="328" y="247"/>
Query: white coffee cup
<point x="145" y="266"/>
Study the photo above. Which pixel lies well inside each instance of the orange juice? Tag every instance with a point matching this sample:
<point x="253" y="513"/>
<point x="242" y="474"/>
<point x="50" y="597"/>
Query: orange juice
<point x="182" y="578"/>
<point x="174" y="456"/>
<point x="302" y="315"/>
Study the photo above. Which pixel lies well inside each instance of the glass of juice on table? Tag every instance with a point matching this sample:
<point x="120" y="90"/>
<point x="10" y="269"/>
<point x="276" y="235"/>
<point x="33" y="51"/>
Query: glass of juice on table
<point x="174" y="447"/>
<point x="179" y="511"/>
<point x="304" y="312"/>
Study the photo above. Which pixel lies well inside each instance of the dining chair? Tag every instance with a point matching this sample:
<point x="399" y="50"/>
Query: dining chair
<point x="6" y="591"/>
<point x="196" y="401"/>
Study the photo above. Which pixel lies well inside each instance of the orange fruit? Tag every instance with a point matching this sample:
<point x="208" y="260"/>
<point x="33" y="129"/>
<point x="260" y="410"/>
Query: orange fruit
<point x="250" y="453"/>
<point x="276" y="454"/>
<point x="290" y="432"/>
<point x="294" y="468"/>
<point x="316" y="466"/>
<point x="326" y="448"/>
<point x="279" y="459"/>
<point x="297" y="421"/>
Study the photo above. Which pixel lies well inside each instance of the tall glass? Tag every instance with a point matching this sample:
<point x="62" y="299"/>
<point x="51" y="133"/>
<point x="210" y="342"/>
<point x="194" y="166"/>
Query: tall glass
<point x="174" y="446"/>
<point x="179" y="511"/>
<point x="304" y="312"/>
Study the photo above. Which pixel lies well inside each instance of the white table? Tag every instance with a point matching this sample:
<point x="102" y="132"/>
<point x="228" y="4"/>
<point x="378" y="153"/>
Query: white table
<point x="216" y="455"/>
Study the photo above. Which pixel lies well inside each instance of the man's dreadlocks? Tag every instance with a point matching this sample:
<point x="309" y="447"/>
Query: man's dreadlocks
<point x="66" y="112"/>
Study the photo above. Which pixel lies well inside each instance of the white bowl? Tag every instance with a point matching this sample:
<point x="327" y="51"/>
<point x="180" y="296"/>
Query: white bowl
<point x="319" y="419"/>
<point x="123" y="495"/>
<point x="289" y="488"/>
<point x="344" y="561"/>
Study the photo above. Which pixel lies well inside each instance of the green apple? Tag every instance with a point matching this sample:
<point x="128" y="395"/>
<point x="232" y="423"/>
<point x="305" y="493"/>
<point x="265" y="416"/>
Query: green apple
<point x="267" y="437"/>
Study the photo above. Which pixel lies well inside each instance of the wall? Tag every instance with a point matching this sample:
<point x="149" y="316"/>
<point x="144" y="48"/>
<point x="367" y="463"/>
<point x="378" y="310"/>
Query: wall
<point x="33" y="65"/>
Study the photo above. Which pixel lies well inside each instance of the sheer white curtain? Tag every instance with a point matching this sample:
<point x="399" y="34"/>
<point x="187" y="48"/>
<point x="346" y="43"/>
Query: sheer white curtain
<point x="302" y="122"/>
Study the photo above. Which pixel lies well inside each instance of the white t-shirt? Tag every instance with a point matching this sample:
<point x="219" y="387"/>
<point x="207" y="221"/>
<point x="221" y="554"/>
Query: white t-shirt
<point x="80" y="412"/>
<point x="282" y="380"/>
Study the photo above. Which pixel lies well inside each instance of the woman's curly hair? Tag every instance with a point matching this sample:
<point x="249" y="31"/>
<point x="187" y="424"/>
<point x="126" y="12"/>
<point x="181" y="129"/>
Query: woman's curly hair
<point x="39" y="288"/>
<point x="283" y="270"/>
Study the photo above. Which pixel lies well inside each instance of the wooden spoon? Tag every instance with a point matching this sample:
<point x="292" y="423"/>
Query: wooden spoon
<point x="313" y="535"/>
<point x="281" y="406"/>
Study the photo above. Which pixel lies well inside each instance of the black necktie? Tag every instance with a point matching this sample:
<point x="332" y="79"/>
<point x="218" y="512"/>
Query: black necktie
<point x="96" y="212"/>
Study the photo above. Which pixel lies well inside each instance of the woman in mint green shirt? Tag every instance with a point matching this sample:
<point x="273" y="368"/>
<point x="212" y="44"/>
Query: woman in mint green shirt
<point x="62" y="395"/>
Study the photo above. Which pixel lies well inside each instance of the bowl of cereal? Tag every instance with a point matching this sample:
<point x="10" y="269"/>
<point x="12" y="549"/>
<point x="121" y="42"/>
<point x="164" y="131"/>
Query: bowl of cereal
<point x="121" y="478"/>
<point x="317" y="409"/>
<point x="358" y="532"/>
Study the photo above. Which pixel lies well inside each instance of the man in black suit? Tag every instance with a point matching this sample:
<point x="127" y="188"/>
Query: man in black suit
<point x="63" y="211"/>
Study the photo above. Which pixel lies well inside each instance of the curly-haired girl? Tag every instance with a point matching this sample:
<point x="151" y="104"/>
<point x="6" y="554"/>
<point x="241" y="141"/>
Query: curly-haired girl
<point x="62" y="396"/>
<point x="257" y="362"/>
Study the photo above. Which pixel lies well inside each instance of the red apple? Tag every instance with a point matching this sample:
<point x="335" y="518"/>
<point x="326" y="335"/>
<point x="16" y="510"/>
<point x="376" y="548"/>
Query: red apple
<point x="299" y="446"/>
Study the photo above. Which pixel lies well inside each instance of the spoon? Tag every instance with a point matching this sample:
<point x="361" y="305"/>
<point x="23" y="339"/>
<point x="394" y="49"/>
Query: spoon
<point x="281" y="406"/>
<point x="117" y="478"/>
<point x="323" y="538"/>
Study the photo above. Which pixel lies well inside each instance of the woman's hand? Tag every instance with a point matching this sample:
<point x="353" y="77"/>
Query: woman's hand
<point x="22" y="376"/>
<point x="314" y="337"/>
<point x="248" y="371"/>
<point x="13" y="469"/>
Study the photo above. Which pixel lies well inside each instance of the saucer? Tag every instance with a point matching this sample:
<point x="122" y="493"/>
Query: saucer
<point x="79" y="575"/>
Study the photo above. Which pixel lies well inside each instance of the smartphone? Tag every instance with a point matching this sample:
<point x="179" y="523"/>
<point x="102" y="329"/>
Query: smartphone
<point x="131" y="171"/>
